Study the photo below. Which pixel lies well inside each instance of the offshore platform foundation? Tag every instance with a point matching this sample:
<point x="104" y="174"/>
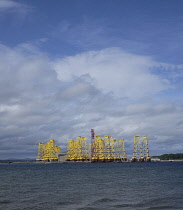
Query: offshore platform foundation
<point x="141" y="149"/>
<point x="77" y="150"/>
<point x="100" y="150"/>
<point x="107" y="150"/>
<point x="48" y="152"/>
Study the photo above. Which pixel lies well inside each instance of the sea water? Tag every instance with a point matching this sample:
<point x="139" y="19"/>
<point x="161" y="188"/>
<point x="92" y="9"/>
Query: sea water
<point x="91" y="186"/>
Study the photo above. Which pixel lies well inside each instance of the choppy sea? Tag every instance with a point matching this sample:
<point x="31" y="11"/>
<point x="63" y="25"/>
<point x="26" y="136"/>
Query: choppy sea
<point x="96" y="186"/>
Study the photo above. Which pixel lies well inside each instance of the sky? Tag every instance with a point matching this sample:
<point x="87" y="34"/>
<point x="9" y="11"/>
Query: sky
<point x="68" y="66"/>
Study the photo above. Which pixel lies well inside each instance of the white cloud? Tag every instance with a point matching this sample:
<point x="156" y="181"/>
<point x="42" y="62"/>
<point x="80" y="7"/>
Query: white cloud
<point x="127" y="75"/>
<point x="14" y="7"/>
<point x="6" y="108"/>
<point x="42" y="98"/>
<point x="9" y="4"/>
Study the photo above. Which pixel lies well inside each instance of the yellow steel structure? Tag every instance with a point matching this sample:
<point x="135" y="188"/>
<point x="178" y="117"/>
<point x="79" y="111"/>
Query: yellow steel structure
<point x="48" y="151"/>
<point x="137" y="148"/>
<point x="77" y="150"/>
<point x="114" y="149"/>
<point x="40" y="151"/>
<point x="102" y="150"/>
<point x="83" y="149"/>
<point x="121" y="150"/>
<point x="141" y="149"/>
<point x="145" y="148"/>
<point x="71" y="153"/>
<point x="98" y="150"/>
<point x="108" y="150"/>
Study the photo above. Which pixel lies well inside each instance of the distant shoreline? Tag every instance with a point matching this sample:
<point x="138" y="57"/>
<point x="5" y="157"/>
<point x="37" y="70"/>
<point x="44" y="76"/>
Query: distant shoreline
<point x="35" y="162"/>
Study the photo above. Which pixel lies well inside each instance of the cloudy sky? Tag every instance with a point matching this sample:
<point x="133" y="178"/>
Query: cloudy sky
<point x="68" y="66"/>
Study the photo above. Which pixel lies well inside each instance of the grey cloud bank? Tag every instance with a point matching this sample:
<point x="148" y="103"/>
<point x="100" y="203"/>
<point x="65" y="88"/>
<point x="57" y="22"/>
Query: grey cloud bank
<point x="115" y="92"/>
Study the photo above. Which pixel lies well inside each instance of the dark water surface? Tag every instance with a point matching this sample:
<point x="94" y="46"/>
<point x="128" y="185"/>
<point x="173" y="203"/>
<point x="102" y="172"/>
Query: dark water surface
<point x="92" y="186"/>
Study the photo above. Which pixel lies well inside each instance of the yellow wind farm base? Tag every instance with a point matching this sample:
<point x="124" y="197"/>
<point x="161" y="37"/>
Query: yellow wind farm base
<point x="106" y="149"/>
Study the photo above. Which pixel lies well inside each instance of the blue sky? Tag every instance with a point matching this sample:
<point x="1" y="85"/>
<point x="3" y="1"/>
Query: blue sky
<point x="69" y="66"/>
<point x="146" y="27"/>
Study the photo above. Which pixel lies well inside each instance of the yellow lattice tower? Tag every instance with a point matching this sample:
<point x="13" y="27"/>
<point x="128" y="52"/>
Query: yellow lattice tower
<point x="75" y="154"/>
<point x="93" y="151"/>
<point x="121" y="150"/>
<point x="108" y="151"/>
<point x="57" y="149"/>
<point x="137" y="153"/>
<point x="114" y="155"/>
<point x="78" y="148"/>
<point x="52" y="150"/>
<point x="101" y="148"/>
<point x="40" y="152"/>
<point x="71" y="151"/>
<point x="117" y="150"/>
<point x="95" y="147"/>
<point x="85" y="149"/>
<point x="145" y="148"/>
<point x="141" y="149"/>
<point x="48" y="151"/>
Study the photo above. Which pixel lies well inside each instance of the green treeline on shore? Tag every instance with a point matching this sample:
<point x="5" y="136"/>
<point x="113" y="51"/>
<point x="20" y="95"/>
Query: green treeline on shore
<point x="177" y="156"/>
